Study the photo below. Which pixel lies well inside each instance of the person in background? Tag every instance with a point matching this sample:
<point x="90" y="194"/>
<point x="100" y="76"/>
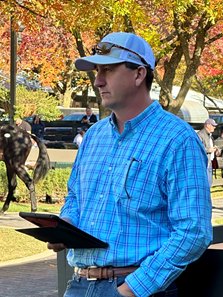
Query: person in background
<point x="23" y="125"/>
<point x="89" y="118"/>
<point x="218" y="142"/>
<point x="79" y="137"/>
<point x="38" y="127"/>
<point x="139" y="183"/>
<point x="205" y="135"/>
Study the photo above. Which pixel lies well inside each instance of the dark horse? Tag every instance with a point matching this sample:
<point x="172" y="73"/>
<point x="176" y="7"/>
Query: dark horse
<point x="15" y="146"/>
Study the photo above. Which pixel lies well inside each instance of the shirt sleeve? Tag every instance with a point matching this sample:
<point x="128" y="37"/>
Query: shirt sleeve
<point x="186" y="188"/>
<point x="69" y="210"/>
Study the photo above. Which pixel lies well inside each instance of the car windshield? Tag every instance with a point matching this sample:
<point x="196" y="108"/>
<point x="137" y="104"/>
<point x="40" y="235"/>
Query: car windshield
<point x="76" y="117"/>
<point x="73" y="117"/>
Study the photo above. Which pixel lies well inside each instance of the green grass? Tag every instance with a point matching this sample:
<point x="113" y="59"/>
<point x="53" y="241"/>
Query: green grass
<point x="216" y="195"/>
<point x="41" y="207"/>
<point x="217" y="192"/>
<point x="14" y="245"/>
<point x="217" y="221"/>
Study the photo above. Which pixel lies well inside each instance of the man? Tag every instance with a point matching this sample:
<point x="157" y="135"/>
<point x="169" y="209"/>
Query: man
<point x="23" y="125"/>
<point x="138" y="183"/>
<point x="219" y="141"/>
<point x="205" y="135"/>
<point x="89" y="118"/>
<point x="28" y="128"/>
<point x="79" y="136"/>
<point x="38" y="126"/>
<point x="217" y="163"/>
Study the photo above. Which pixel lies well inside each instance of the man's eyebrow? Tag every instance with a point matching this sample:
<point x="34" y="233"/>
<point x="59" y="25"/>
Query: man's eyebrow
<point x="112" y="65"/>
<point x="101" y="66"/>
<point x="104" y="65"/>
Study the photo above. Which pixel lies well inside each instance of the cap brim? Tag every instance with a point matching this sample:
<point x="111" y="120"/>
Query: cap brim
<point x="89" y="63"/>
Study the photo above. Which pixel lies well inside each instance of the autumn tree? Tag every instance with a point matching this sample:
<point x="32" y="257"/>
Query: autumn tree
<point x="184" y="29"/>
<point x="178" y="31"/>
<point x="210" y="72"/>
<point x="45" y="53"/>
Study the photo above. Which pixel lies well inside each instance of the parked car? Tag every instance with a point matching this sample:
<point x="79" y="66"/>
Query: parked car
<point x="218" y="117"/>
<point x="76" y="116"/>
<point x="66" y="129"/>
<point x="73" y="117"/>
<point x="29" y="119"/>
<point x="219" y="120"/>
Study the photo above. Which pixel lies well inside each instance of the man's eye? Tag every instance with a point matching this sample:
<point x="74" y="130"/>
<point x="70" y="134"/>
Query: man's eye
<point x="107" y="68"/>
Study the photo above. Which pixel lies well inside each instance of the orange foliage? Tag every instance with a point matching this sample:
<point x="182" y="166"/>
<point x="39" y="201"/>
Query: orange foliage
<point x="212" y="58"/>
<point x="45" y="51"/>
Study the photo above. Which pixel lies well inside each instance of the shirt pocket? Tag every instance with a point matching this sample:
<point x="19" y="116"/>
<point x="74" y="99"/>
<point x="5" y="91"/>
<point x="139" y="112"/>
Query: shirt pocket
<point x="128" y="180"/>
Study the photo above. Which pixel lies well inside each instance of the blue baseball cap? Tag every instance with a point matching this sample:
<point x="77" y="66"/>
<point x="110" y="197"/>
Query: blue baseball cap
<point x="119" y="47"/>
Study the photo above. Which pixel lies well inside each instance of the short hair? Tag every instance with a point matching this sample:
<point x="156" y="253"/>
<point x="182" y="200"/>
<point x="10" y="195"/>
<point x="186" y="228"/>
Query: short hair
<point x="149" y="75"/>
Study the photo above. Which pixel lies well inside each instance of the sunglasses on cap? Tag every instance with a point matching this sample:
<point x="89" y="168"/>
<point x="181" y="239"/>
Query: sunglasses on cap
<point x="104" y="48"/>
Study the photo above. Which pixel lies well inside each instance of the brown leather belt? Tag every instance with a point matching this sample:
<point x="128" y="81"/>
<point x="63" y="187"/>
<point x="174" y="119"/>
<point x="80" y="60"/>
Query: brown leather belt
<point x="94" y="273"/>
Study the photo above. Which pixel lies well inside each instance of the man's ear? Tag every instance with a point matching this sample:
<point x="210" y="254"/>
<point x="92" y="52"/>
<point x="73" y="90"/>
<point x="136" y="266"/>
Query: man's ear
<point x="140" y="75"/>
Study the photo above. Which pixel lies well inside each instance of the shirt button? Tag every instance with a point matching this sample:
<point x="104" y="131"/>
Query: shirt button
<point x="110" y="168"/>
<point x="119" y="143"/>
<point x="101" y="196"/>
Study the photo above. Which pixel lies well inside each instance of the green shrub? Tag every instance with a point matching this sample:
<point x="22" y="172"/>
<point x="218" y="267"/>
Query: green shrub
<point x="3" y="179"/>
<point x="54" y="184"/>
<point x="36" y="102"/>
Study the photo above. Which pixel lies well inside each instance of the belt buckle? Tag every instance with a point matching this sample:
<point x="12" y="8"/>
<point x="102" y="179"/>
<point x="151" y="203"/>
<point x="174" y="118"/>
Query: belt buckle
<point x="91" y="278"/>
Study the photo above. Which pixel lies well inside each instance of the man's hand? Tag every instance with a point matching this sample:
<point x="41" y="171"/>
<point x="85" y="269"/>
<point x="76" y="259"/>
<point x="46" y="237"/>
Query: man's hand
<point x="125" y="291"/>
<point x="56" y="247"/>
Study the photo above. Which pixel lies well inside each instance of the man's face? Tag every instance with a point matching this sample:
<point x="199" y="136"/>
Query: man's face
<point x="210" y="128"/>
<point x="116" y="84"/>
<point x="18" y="121"/>
<point x="88" y="111"/>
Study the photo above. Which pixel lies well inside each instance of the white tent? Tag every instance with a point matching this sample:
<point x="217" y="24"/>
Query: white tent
<point x="193" y="112"/>
<point x="195" y="108"/>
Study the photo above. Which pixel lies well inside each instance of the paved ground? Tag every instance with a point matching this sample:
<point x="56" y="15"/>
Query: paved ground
<point x="36" y="276"/>
<point x="55" y="155"/>
<point x="217" y="209"/>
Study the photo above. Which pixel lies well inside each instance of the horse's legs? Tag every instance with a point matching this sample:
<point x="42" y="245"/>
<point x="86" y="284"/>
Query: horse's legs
<point x="28" y="181"/>
<point x="12" y="183"/>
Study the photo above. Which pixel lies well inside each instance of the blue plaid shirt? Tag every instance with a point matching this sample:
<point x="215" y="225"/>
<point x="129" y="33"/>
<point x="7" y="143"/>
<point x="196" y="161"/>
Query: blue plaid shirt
<point x="146" y="193"/>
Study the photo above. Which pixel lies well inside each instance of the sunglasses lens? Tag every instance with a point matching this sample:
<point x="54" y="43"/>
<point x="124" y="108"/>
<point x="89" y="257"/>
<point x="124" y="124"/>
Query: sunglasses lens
<point x="103" y="48"/>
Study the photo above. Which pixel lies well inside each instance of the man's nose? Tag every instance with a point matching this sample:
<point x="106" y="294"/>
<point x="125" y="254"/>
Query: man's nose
<point x="99" y="80"/>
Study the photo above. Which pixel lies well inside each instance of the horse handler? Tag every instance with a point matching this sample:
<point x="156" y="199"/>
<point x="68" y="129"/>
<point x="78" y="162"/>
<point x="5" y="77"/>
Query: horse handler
<point x="139" y="183"/>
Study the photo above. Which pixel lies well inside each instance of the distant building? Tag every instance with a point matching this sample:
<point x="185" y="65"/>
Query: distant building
<point x="196" y="107"/>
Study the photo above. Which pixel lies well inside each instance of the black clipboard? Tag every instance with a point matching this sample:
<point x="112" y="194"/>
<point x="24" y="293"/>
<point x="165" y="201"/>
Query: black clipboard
<point x="53" y="229"/>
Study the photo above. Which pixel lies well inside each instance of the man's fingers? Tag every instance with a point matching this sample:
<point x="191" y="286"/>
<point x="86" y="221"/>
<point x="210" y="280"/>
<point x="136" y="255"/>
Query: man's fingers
<point x="56" y="247"/>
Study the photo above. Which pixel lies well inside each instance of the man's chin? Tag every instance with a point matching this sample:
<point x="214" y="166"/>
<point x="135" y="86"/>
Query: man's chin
<point x="106" y="103"/>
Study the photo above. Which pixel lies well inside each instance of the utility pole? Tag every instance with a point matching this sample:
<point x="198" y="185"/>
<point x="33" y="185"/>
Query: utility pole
<point x="13" y="69"/>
